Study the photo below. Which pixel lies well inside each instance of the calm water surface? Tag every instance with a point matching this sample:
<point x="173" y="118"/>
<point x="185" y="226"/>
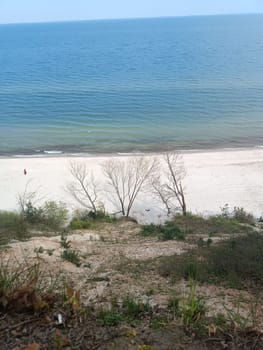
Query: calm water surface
<point x="128" y="85"/>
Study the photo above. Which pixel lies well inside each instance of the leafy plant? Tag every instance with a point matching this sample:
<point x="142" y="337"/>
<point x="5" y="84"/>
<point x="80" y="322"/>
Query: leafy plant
<point x="71" y="256"/>
<point x="68" y="253"/>
<point x="111" y="317"/>
<point x="193" y="308"/>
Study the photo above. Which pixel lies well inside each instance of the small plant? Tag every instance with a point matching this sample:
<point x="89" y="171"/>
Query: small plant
<point x="64" y="243"/>
<point x="133" y="308"/>
<point x="72" y="298"/>
<point x="193" y="308"/>
<point x="111" y="317"/>
<point x="159" y="321"/>
<point x="71" y="256"/>
<point x="39" y="250"/>
<point x="174" y="305"/>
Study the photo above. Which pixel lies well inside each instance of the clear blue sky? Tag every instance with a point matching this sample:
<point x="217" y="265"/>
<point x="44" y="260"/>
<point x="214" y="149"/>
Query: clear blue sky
<point x="12" y="11"/>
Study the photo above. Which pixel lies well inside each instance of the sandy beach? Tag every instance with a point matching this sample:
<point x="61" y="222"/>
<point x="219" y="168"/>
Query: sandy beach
<point x="213" y="178"/>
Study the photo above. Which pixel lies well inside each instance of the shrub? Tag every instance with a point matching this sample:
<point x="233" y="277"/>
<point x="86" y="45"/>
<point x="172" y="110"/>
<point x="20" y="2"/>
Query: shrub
<point x="12" y="226"/>
<point x="87" y="219"/>
<point x="33" y="215"/>
<point x="78" y="224"/>
<point x="171" y="231"/>
<point x="150" y="230"/>
<point x="55" y="215"/>
<point x="242" y="216"/>
<point x="168" y="231"/>
<point x="52" y="215"/>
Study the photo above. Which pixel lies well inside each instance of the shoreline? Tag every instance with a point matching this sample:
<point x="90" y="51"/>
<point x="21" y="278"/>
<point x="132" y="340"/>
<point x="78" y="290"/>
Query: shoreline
<point x="213" y="178"/>
<point x="62" y="154"/>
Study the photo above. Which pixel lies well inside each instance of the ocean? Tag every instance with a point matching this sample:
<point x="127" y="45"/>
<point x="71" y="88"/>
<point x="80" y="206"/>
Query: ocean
<point x="140" y="85"/>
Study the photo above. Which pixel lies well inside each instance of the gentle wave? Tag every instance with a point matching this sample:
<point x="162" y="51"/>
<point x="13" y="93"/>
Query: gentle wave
<point x="120" y="86"/>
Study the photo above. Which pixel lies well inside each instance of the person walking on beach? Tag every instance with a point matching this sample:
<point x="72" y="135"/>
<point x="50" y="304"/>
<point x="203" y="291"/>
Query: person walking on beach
<point x="25" y="172"/>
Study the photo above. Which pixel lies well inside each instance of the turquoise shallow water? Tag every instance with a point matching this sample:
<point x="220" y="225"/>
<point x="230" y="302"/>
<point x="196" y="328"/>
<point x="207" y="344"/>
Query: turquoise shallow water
<point x="128" y="85"/>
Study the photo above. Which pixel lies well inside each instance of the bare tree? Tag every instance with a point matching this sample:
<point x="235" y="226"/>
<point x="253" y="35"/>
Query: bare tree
<point x="84" y="189"/>
<point x="128" y="178"/>
<point x="167" y="184"/>
<point x="28" y="197"/>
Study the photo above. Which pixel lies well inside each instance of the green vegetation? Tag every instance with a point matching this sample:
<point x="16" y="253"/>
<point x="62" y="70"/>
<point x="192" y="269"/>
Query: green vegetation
<point x="168" y="231"/>
<point x="25" y="287"/>
<point x="68" y="253"/>
<point x="128" y="310"/>
<point x="181" y="225"/>
<point x="235" y="263"/>
<point x="216" y="224"/>
<point x="89" y="220"/>
<point x="12" y="226"/>
<point x="51" y="215"/>
<point x="193" y="309"/>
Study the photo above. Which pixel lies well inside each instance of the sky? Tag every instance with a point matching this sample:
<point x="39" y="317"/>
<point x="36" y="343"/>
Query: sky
<point x="16" y="11"/>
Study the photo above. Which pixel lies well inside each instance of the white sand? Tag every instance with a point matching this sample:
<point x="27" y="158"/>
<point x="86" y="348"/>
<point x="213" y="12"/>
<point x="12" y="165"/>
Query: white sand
<point x="213" y="179"/>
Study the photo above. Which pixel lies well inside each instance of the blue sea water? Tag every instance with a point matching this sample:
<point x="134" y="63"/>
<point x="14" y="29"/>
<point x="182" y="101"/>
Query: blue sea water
<point x="131" y="85"/>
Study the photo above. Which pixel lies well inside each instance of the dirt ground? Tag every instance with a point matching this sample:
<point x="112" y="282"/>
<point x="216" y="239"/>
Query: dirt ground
<point x="115" y="262"/>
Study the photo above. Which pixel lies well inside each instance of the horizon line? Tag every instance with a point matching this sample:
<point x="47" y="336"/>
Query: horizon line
<point x="133" y="18"/>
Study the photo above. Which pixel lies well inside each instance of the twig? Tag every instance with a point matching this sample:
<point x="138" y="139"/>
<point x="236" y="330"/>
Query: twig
<point x="3" y="331"/>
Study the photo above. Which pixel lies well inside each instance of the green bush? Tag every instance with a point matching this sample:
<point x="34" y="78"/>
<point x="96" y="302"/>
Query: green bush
<point x="51" y="215"/>
<point x="12" y="226"/>
<point x="171" y="231"/>
<point x="150" y="230"/>
<point x="168" y="231"/>
<point x="84" y="219"/>
<point x="33" y="215"/>
<point x="78" y="224"/>
<point x="55" y="215"/>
